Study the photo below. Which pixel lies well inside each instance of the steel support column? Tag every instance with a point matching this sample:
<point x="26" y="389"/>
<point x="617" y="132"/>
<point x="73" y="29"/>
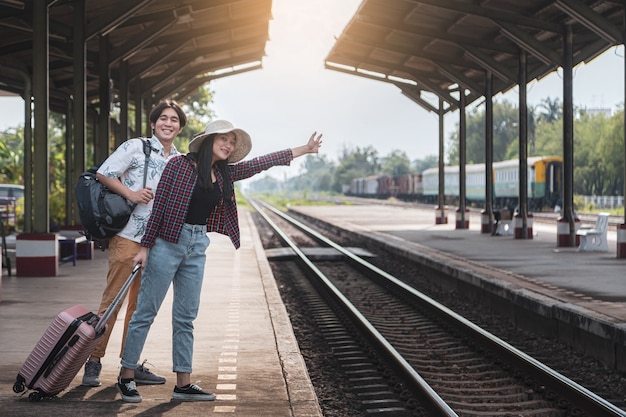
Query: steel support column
<point x="462" y="159"/>
<point x="568" y="134"/>
<point x="123" y="88"/>
<point x="523" y="143"/>
<point x="41" y="153"/>
<point x="147" y="106"/>
<point x="489" y="149"/>
<point x="103" y="138"/>
<point x="441" y="197"/>
<point x="621" y="229"/>
<point x="79" y="108"/>
<point x="138" y="108"/>
<point x="70" y="180"/>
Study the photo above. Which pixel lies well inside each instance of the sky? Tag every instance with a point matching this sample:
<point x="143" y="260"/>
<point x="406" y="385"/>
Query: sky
<point x="293" y="95"/>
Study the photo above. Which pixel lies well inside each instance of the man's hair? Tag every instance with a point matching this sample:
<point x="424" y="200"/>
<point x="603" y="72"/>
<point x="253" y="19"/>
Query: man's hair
<point x="158" y="109"/>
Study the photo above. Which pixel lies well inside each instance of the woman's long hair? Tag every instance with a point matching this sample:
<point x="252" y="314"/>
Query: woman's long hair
<point x="203" y="159"/>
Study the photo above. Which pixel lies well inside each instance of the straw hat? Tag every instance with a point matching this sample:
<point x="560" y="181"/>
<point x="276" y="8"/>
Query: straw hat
<point x="242" y="148"/>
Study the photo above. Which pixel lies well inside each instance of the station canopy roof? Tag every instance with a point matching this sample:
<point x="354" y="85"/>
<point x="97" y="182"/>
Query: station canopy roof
<point x="442" y="46"/>
<point x="168" y="47"/>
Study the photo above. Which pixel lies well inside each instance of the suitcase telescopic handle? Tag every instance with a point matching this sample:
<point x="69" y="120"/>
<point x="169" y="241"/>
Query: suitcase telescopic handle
<point x="117" y="300"/>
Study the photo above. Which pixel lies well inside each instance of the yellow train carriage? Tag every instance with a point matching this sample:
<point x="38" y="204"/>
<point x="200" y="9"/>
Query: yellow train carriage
<point x="545" y="179"/>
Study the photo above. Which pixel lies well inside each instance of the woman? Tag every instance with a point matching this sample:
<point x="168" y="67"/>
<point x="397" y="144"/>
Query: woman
<point x="195" y="195"/>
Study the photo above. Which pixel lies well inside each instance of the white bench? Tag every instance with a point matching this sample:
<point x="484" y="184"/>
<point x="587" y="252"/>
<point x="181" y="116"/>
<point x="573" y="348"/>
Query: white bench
<point x="505" y="228"/>
<point x="505" y="225"/>
<point x="594" y="238"/>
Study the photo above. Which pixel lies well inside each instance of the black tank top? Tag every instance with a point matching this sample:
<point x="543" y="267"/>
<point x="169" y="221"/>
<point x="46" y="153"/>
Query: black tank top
<point x="202" y="204"/>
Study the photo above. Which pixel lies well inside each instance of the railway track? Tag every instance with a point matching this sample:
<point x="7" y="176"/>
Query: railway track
<point x="432" y="361"/>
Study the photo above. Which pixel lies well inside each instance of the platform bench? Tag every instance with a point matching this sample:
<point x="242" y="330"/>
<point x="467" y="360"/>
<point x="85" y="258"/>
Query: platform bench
<point x="505" y="225"/>
<point x="594" y="238"/>
<point x="68" y="247"/>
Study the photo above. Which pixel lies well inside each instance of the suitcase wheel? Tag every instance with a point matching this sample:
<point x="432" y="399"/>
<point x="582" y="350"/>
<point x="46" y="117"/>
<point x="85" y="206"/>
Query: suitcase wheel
<point x="18" y="387"/>
<point x="35" y="396"/>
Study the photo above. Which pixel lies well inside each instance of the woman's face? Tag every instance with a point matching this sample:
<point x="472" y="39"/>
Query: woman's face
<point x="223" y="145"/>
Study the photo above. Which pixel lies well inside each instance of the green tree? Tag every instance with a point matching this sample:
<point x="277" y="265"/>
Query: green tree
<point x="355" y="164"/>
<point x="12" y="156"/>
<point x="199" y="114"/>
<point x="549" y="110"/>
<point x="266" y="184"/>
<point x="317" y="173"/>
<point x="598" y="154"/>
<point x="505" y="134"/>
<point x="12" y="162"/>
<point x="429" y="161"/>
<point x="57" y="167"/>
<point x="547" y="128"/>
<point x="549" y="138"/>
<point x="614" y="151"/>
<point x="396" y="163"/>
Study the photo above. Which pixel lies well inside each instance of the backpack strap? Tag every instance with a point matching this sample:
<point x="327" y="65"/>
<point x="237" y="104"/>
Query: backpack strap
<point x="147" y="150"/>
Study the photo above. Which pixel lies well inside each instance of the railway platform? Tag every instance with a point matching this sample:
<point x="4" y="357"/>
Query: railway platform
<point x="245" y="349"/>
<point x="574" y="292"/>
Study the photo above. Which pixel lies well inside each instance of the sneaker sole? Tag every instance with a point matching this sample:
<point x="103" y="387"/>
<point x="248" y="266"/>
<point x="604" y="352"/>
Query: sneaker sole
<point x="93" y="384"/>
<point x="127" y="398"/>
<point x="193" y="397"/>
<point x="148" y="382"/>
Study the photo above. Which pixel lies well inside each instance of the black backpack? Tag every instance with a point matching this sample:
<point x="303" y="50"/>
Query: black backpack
<point x="102" y="212"/>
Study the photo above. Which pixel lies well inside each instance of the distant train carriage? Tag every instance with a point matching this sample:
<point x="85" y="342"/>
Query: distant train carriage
<point x="475" y="182"/>
<point x="548" y="180"/>
<point x="409" y="186"/>
<point x="544" y="184"/>
<point x="364" y="187"/>
<point x="387" y="186"/>
<point x="373" y="186"/>
<point x="430" y="183"/>
<point x="545" y="176"/>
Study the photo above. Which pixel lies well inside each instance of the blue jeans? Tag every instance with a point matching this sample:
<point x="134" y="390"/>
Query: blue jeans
<point x="179" y="263"/>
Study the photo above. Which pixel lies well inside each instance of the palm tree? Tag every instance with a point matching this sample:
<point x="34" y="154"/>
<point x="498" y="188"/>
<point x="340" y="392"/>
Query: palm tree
<point x="551" y="110"/>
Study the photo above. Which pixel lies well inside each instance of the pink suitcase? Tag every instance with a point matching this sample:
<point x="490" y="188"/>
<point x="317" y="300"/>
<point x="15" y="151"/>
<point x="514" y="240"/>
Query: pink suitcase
<point x="64" y="348"/>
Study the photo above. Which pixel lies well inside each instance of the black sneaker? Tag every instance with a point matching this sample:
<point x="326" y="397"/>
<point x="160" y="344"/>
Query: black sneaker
<point x="128" y="390"/>
<point x="192" y="392"/>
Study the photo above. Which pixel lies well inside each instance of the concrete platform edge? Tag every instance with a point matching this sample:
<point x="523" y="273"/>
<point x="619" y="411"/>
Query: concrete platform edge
<point x="300" y="390"/>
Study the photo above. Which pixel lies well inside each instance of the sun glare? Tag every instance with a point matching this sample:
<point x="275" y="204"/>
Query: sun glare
<point x="302" y="33"/>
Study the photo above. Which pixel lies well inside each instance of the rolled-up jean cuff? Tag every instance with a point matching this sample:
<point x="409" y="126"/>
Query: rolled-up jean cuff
<point x="128" y="365"/>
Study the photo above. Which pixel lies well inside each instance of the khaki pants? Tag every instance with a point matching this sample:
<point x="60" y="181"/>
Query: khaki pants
<point x="121" y="254"/>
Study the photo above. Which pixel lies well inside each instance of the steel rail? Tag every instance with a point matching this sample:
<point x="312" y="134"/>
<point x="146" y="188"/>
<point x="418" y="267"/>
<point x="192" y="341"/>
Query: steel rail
<point x="421" y="389"/>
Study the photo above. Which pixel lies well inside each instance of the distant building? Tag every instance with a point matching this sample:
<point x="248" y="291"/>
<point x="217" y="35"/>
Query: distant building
<point x="598" y="111"/>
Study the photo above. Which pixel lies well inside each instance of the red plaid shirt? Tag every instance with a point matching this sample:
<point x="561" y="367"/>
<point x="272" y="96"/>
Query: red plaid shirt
<point x="173" y="195"/>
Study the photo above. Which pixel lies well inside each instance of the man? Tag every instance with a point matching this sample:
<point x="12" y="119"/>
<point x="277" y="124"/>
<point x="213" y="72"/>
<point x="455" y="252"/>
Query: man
<point x="123" y="173"/>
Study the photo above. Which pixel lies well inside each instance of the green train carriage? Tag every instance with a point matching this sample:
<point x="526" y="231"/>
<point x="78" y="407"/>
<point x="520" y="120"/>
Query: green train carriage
<point x="545" y="182"/>
<point x="545" y="179"/>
